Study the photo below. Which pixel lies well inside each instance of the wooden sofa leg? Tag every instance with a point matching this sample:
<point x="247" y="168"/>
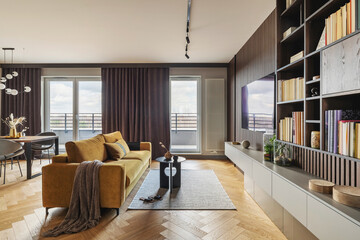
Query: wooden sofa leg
<point x="46" y="211"/>
<point x="117" y="211"/>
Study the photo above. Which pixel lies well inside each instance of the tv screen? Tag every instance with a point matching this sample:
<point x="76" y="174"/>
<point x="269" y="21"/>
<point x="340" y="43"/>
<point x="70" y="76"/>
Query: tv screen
<point x="257" y="104"/>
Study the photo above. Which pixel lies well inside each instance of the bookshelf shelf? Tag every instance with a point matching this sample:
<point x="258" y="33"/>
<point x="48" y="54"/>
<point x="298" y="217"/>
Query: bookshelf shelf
<point x="292" y="65"/>
<point x="332" y="44"/>
<point x="321" y="151"/>
<point x="290" y="143"/>
<point x="341" y="94"/>
<point x="313" y="121"/>
<point x="291" y="9"/>
<point x="324" y="11"/>
<point x="298" y="32"/>
<point x="313" y="81"/>
<point x="313" y="98"/>
<point x="292" y="101"/>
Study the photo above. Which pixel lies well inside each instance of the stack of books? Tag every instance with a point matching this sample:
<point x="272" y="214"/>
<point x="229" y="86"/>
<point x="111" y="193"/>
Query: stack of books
<point x="291" y="89"/>
<point x="342" y="132"/>
<point x="288" y="32"/>
<point x="291" y="129"/>
<point x="341" y="23"/>
<point x="297" y="56"/>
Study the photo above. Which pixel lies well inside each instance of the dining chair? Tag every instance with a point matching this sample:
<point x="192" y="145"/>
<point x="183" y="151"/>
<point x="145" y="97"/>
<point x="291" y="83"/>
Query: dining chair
<point x="9" y="150"/>
<point x="44" y="145"/>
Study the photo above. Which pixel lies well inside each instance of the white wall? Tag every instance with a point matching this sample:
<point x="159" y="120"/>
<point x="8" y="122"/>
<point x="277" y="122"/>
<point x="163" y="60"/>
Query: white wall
<point x="71" y="72"/>
<point x="208" y="118"/>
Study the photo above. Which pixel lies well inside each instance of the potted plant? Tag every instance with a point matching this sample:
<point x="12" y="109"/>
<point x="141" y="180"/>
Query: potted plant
<point x="269" y="149"/>
<point x="282" y="154"/>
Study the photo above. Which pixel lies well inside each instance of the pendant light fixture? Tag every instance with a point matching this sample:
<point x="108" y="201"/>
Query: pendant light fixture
<point x="187" y="29"/>
<point x="11" y="76"/>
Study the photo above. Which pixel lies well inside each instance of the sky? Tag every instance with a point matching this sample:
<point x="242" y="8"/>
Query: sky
<point x="183" y="96"/>
<point x="261" y="97"/>
<point x="61" y="96"/>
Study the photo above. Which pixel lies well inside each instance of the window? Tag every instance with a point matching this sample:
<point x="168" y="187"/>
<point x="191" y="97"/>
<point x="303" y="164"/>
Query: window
<point x="185" y="114"/>
<point x="72" y="108"/>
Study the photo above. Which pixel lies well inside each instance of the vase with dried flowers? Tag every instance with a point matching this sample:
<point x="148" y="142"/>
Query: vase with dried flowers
<point x="12" y="123"/>
<point x="167" y="155"/>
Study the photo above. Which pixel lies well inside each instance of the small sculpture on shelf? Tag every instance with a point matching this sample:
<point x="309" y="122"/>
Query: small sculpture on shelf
<point x="245" y="144"/>
<point x="167" y="155"/>
<point x="314" y="92"/>
<point x="315" y="139"/>
<point x="282" y="154"/>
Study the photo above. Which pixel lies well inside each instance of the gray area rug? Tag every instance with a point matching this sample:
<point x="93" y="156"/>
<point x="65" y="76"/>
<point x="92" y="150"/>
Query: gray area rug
<point x="200" y="190"/>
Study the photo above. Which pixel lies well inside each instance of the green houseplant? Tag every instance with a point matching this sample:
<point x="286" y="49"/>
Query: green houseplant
<point x="269" y="149"/>
<point x="282" y="154"/>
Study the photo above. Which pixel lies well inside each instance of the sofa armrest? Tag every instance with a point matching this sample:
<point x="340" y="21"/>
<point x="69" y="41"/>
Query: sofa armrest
<point x="58" y="178"/>
<point x="61" y="158"/>
<point x="145" y="146"/>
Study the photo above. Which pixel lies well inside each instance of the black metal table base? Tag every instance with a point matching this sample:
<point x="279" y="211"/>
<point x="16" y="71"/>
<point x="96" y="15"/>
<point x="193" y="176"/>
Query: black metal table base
<point x="172" y="181"/>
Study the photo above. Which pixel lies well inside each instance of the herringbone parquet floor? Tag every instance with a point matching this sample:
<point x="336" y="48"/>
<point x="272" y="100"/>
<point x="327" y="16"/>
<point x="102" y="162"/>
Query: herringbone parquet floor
<point x="22" y="215"/>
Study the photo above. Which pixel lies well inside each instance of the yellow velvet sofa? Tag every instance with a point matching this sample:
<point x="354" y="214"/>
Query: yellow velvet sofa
<point x="117" y="177"/>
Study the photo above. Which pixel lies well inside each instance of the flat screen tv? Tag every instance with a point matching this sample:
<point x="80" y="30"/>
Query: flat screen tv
<point x="257" y="105"/>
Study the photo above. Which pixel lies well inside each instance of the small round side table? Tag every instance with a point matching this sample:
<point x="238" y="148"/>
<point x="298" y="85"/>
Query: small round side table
<point x="172" y="180"/>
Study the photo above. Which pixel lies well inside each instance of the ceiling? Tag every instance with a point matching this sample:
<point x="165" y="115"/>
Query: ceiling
<point x="127" y="31"/>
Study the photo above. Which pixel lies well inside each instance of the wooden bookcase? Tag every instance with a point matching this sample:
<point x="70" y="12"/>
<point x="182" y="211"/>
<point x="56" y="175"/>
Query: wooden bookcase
<point x="309" y="18"/>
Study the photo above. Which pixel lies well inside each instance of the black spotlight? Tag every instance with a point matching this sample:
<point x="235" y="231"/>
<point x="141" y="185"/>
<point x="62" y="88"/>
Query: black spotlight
<point x="187" y="56"/>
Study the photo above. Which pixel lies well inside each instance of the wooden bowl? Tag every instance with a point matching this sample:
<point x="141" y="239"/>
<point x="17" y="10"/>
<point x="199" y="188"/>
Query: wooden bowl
<point x="347" y="195"/>
<point x="321" y="186"/>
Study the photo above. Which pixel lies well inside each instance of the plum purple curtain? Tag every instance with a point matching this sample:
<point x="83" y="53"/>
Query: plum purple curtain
<point x="136" y="102"/>
<point x="23" y="104"/>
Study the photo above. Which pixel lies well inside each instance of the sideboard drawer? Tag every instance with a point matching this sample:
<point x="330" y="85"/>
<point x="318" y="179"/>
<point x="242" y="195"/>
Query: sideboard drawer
<point x="232" y="153"/>
<point x="262" y="177"/>
<point x="325" y="223"/>
<point x="290" y="197"/>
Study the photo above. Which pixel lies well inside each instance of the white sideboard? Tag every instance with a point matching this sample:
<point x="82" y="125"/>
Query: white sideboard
<point x="288" y="186"/>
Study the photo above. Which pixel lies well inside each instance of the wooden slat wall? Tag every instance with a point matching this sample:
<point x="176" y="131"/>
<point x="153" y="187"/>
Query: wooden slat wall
<point x="256" y="59"/>
<point x="230" y="98"/>
<point x="335" y="169"/>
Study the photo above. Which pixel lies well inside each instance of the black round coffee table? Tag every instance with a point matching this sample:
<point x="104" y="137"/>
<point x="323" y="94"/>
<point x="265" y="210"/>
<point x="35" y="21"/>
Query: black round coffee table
<point x="171" y="180"/>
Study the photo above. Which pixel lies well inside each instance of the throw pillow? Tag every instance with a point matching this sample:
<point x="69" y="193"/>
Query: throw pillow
<point x="117" y="150"/>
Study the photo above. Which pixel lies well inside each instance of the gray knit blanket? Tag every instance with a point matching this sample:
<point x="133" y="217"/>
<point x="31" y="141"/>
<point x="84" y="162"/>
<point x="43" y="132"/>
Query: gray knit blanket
<point x="84" y="209"/>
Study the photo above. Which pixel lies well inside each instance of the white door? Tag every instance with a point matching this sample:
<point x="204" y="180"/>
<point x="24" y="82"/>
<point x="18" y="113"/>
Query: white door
<point x="72" y="108"/>
<point x="185" y="114"/>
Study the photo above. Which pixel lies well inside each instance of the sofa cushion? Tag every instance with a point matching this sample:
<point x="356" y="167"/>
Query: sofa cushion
<point x="141" y="155"/>
<point x="112" y="137"/>
<point x="133" y="168"/>
<point x="86" y="150"/>
<point x="117" y="150"/>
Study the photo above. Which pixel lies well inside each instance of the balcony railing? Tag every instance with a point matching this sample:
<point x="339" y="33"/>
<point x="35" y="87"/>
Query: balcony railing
<point x="260" y="121"/>
<point x="183" y="121"/>
<point x="64" y="121"/>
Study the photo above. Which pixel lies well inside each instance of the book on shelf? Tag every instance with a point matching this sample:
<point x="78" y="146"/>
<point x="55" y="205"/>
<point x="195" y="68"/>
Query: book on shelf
<point x="347" y="137"/>
<point x="322" y="41"/>
<point x="340" y="132"/>
<point x="297" y="56"/>
<point x="357" y="140"/>
<point x="289" y="3"/>
<point x="342" y="22"/>
<point x="291" y="129"/>
<point x="290" y="89"/>
<point x="288" y="32"/>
